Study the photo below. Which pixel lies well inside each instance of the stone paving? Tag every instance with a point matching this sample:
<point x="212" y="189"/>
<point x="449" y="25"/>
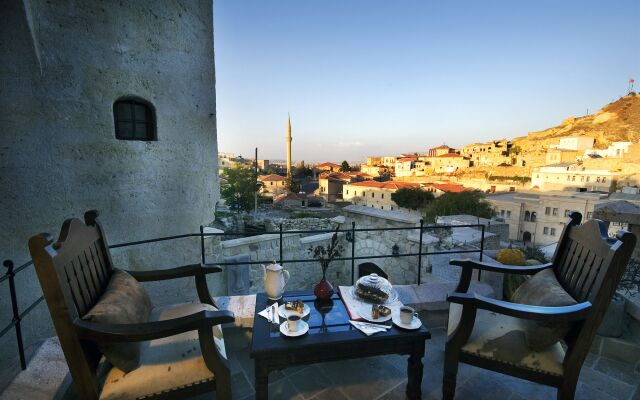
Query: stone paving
<point x="384" y="378"/>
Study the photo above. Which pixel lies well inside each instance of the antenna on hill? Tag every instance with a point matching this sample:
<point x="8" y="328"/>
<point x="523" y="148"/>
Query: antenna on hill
<point x="631" y="82"/>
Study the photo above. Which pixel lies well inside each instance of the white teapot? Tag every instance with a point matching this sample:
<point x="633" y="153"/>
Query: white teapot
<point x="275" y="277"/>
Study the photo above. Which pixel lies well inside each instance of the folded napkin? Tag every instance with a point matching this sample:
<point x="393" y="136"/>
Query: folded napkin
<point x="368" y="328"/>
<point x="271" y="314"/>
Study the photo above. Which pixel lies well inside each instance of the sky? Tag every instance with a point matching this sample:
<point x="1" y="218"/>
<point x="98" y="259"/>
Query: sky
<point x="371" y="78"/>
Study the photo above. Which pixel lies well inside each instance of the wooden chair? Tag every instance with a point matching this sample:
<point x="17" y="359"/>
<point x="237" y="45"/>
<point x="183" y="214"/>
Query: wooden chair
<point x="74" y="272"/>
<point x="587" y="263"/>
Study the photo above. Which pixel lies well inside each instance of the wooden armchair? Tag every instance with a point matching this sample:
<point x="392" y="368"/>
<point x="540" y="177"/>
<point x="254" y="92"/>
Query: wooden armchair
<point x="183" y="352"/>
<point x="486" y="332"/>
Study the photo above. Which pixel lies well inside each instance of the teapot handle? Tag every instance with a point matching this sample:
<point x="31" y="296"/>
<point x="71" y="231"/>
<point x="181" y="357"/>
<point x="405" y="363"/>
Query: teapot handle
<point x="286" y="275"/>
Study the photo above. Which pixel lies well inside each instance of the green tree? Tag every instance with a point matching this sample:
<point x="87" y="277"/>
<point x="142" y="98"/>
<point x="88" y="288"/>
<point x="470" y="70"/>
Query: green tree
<point x="413" y="198"/>
<point x="383" y="176"/>
<point x="240" y="188"/>
<point x="292" y="185"/>
<point x="470" y="203"/>
<point x="344" y="167"/>
<point x="302" y="171"/>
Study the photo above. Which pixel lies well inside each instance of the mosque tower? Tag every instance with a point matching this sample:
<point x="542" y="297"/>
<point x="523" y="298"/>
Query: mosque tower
<point x="288" y="140"/>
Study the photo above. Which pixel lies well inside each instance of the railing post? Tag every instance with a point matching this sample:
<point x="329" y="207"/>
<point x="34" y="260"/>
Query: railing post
<point x="202" y="258"/>
<point x="16" y="315"/>
<point x="353" y="252"/>
<point x="481" y="251"/>
<point x="420" y="253"/>
<point x="281" y="262"/>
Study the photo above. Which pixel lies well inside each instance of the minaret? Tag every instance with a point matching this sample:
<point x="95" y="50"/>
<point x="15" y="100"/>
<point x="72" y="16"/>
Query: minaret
<point x="288" y="140"/>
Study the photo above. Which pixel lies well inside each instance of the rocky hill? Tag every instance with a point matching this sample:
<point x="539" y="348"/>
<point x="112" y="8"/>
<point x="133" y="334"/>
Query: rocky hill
<point x="618" y="121"/>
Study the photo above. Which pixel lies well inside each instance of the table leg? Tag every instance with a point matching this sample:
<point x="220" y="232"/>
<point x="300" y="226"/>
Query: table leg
<point x="262" y="381"/>
<point x="414" y="373"/>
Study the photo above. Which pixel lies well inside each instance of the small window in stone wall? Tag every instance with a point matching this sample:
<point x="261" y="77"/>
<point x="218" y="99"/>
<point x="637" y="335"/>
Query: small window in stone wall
<point x="134" y="120"/>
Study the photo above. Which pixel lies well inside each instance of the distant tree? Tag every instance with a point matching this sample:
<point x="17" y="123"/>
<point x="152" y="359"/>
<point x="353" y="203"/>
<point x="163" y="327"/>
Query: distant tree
<point x="344" y="167"/>
<point x="413" y="198"/>
<point x="515" y="150"/>
<point x="292" y="185"/>
<point x="302" y="171"/>
<point x="383" y="176"/>
<point x="470" y="203"/>
<point x="240" y="187"/>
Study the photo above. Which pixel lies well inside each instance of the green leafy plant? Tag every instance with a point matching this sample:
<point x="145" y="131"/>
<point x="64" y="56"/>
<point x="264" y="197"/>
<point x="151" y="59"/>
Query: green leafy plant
<point x="470" y="203"/>
<point x="240" y="187"/>
<point x="630" y="282"/>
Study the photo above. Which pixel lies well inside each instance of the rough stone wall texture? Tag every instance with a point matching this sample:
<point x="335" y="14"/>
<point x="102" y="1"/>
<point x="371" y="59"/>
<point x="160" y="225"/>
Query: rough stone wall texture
<point x="64" y="63"/>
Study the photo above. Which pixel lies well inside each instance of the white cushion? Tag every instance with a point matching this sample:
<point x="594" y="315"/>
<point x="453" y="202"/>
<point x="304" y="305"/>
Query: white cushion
<point x="502" y="338"/>
<point x="166" y="363"/>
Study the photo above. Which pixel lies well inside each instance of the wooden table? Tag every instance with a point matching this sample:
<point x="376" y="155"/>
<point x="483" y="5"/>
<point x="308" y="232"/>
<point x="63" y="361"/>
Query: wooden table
<point x="331" y="337"/>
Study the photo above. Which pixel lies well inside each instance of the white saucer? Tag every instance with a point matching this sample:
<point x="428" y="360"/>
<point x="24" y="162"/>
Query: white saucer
<point x="415" y="322"/>
<point x="284" y="313"/>
<point x="284" y="329"/>
<point x="365" y="312"/>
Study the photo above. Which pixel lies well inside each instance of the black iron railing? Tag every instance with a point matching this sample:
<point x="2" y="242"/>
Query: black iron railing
<point x="18" y="315"/>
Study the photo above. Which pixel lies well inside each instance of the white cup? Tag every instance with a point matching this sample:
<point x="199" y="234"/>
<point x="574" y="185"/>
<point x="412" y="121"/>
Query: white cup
<point x="293" y="323"/>
<point x="407" y="314"/>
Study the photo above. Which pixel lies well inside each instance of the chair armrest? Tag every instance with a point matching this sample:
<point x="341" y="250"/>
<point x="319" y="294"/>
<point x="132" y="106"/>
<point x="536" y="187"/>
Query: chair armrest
<point x="499" y="267"/>
<point x="99" y="332"/>
<point x="538" y="313"/>
<point x="174" y="273"/>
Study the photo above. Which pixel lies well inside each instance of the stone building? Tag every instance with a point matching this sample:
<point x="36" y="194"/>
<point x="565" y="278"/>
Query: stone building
<point x="375" y="194"/>
<point x="538" y="218"/>
<point x="273" y="185"/>
<point x="328" y="167"/>
<point x="488" y="154"/>
<point x="558" y="156"/>
<point x="573" y="177"/>
<point x="118" y="117"/>
<point x="440" y="150"/>
<point x="578" y="143"/>
<point x="448" y="163"/>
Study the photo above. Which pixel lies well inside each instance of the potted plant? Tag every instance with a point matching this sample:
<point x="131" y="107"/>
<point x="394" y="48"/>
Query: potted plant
<point x="613" y="321"/>
<point x="325" y="254"/>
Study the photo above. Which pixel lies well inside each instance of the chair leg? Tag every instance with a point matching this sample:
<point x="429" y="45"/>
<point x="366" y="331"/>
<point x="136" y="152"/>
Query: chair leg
<point x="568" y="389"/>
<point x="450" y="375"/>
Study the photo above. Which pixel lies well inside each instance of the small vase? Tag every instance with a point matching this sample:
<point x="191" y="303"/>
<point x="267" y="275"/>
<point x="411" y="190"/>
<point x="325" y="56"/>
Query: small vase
<point x="323" y="290"/>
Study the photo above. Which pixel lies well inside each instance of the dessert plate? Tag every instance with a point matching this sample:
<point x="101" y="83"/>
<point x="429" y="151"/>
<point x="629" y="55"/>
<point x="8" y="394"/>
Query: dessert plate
<point x="284" y="313"/>
<point x="415" y="322"/>
<point x="284" y="329"/>
<point x="365" y="312"/>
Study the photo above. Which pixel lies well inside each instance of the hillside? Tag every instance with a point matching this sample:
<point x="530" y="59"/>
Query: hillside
<point x="618" y="121"/>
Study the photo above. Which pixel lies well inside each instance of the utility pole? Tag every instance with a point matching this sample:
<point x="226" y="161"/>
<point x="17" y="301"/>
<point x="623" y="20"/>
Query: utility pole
<point x="255" y="194"/>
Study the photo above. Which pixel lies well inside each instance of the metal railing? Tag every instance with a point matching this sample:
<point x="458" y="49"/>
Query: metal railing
<point x="18" y="316"/>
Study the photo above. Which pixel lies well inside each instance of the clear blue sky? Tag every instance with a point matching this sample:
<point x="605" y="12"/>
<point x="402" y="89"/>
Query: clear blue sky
<point x="383" y="77"/>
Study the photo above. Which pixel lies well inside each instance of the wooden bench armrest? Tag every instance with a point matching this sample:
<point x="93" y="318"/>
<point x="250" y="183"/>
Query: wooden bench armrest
<point x="469" y="265"/>
<point x="98" y="332"/>
<point x="499" y="267"/>
<point x="174" y="273"/>
<point x="538" y="313"/>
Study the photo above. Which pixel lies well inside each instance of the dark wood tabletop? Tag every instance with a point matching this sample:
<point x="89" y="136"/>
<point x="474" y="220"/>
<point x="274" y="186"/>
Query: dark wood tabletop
<point x="330" y="337"/>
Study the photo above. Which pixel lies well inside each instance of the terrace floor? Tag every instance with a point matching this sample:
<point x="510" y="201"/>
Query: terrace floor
<point x="378" y="378"/>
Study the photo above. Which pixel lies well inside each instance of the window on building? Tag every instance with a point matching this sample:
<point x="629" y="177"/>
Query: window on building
<point x="598" y="179"/>
<point x="508" y="214"/>
<point x="134" y="120"/>
<point x="347" y="191"/>
<point x="271" y="183"/>
<point x="372" y="195"/>
<point x="547" y="211"/>
<point x="391" y="208"/>
<point x="502" y="213"/>
<point x="582" y="178"/>
<point x="533" y="216"/>
<point x="382" y="196"/>
<point x="527" y="216"/>
<point x="545" y="231"/>
<point x="588" y="178"/>
<point x="552" y="231"/>
<point x="573" y="178"/>
<point x="555" y="212"/>
<point x="604" y="179"/>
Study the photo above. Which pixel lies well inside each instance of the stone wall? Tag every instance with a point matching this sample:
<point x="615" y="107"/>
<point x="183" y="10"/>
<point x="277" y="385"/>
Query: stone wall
<point x="64" y="63"/>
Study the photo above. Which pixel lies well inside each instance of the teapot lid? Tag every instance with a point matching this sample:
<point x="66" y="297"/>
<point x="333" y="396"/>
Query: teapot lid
<point x="274" y="267"/>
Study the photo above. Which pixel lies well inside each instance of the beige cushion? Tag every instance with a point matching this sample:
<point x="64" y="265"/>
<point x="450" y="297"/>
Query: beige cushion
<point x="166" y="363"/>
<point x="124" y="301"/>
<point x="501" y="338"/>
<point x="543" y="289"/>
